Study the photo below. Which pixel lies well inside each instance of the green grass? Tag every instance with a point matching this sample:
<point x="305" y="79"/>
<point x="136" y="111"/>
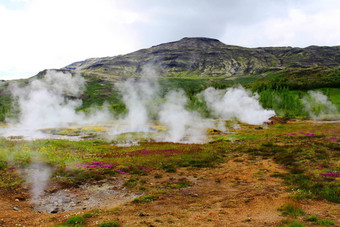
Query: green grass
<point x="77" y="162"/>
<point x="145" y="199"/>
<point x="292" y="223"/>
<point x="334" y="95"/>
<point x="315" y="220"/>
<point x="308" y="152"/>
<point x="89" y="215"/>
<point x="300" y="79"/>
<point x="5" y="106"/>
<point x="325" y="222"/>
<point x="292" y="209"/>
<point x="74" y="221"/>
<point x="109" y="224"/>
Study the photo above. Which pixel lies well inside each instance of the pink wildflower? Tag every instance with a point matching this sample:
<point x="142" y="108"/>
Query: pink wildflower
<point x="120" y="171"/>
<point x="108" y="166"/>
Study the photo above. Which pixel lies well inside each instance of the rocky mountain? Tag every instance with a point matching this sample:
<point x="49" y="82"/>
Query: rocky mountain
<point x="205" y="57"/>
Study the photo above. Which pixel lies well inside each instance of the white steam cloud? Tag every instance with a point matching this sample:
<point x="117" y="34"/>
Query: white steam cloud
<point x="319" y="106"/>
<point x="137" y="96"/>
<point x="236" y="103"/>
<point x="42" y="102"/>
<point x="180" y="122"/>
<point x="52" y="102"/>
<point x="38" y="175"/>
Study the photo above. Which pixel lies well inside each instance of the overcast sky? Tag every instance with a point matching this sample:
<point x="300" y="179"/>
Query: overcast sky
<point x="41" y="34"/>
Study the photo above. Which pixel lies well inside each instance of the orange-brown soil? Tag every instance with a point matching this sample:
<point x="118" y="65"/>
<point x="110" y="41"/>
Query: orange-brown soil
<point x="242" y="191"/>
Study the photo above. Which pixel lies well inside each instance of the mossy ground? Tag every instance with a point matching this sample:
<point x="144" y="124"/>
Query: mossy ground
<point x="255" y="171"/>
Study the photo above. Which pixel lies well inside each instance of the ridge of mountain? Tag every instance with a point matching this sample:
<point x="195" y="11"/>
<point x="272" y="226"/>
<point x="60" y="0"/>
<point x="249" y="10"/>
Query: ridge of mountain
<point x="206" y="57"/>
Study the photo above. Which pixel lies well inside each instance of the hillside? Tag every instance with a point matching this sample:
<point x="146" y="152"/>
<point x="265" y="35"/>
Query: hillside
<point x="194" y="64"/>
<point x="204" y="57"/>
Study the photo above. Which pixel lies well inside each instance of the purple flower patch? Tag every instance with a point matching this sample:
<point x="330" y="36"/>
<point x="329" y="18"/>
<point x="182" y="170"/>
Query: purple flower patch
<point x="334" y="139"/>
<point x="120" y="171"/>
<point x="291" y="134"/>
<point x="97" y="165"/>
<point x="108" y="166"/>
<point x="331" y="174"/>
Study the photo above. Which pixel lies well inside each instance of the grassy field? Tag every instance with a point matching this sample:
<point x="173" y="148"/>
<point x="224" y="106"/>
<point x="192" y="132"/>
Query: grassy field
<point x="281" y="174"/>
<point x="306" y="154"/>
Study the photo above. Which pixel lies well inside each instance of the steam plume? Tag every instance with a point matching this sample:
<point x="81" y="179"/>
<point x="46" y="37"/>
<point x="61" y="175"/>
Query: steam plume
<point x="318" y="106"/>
<point x="38" y="176"/>
<point x="52" y="102"/>
<point x="42" y="103"/>
<point x="236" y="103"/>
<point x="180" y="122"/>
<point x="137" y="96"/>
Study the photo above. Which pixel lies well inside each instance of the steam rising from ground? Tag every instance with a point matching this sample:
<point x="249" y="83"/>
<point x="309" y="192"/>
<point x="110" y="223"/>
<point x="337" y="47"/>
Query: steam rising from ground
<point x="236" y="103"/>
<point x="52" y="101"/>
<point x="137" y="96"/>
<point x="140" y="97"/>
<point x="38" y="175"/>
<point x="318" y="106"/>
<point x="179" y="121"/>
<point x="42" y="103"/>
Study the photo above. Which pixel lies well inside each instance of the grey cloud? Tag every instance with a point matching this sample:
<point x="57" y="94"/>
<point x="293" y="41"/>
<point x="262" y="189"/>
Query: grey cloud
<point x="172" y="20"/>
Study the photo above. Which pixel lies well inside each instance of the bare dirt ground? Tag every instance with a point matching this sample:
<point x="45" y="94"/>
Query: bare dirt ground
<point x="240" y="192"/>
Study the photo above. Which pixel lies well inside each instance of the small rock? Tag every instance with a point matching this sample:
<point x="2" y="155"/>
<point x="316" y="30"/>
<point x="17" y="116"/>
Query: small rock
<point x="17" y="200"/>
<point x="55" y="210"/>
<point x="20" y="197"/>
<point x="52" y="190"/>
<point x="192" y="195"/>
<point x="143" y="214"/>
<point x="16" y="208"/>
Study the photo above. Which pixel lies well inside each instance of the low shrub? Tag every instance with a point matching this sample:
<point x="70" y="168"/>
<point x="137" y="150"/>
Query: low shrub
<point x="74" y="221"/>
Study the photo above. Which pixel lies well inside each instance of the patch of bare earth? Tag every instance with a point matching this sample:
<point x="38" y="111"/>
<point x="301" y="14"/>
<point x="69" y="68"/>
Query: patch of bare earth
<point x="242" y="191"/>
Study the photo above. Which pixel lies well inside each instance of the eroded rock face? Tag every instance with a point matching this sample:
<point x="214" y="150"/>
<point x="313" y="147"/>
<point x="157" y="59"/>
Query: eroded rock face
<point x="209" y="57"/>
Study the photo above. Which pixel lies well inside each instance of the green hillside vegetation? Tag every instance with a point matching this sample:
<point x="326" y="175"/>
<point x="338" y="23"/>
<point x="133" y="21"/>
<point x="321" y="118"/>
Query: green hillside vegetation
<point x="275" y="90"/>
